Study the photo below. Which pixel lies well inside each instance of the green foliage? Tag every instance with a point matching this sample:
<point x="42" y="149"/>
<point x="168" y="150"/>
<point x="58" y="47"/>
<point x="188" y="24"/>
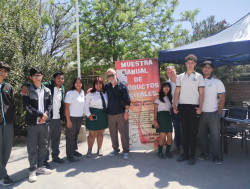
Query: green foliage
<point x="21" y="47"/>
<point x="229" y="73"/>
<point x="117" y="30"/>
<point x="20" y="43"/>
<point x="207" y="27"/>
<point x="200" y="30"/>
<point x="41" y="34"/>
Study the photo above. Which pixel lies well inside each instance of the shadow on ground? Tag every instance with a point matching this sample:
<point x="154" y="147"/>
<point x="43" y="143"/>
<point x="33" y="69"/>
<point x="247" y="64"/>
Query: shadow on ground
<point x="144" y="169"/>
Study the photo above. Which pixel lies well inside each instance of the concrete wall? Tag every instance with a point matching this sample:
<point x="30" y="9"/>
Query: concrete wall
<point x="237" y="92"/>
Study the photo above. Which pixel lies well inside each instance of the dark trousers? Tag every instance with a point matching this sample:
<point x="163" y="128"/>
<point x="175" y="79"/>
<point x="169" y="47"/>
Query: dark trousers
<point x="72" y="135"/>
<point x="177" y="128"/>
<point x="117" y="123"/>
<point x="54" y="138"/>
<point x="210" y="123"/>
<point x="6" y="142"/>
<point x="37" y="144"/>
<point x="189" y="125"/>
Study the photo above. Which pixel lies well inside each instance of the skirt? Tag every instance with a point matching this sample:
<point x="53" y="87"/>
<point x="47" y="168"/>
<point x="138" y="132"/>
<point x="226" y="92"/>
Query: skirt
<point x="100" y="123"/>
<point x="165" y="122"/>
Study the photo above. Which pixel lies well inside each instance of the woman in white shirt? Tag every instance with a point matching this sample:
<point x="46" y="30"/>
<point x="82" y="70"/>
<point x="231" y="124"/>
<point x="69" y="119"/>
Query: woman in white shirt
<point x="74" y="107"/>
<point x="95" y="110"/>
<point x="162" y="119"/>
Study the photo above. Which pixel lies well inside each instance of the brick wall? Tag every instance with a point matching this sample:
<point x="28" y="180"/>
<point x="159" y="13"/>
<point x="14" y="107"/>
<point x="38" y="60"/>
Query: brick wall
<point x="237" y="92"/>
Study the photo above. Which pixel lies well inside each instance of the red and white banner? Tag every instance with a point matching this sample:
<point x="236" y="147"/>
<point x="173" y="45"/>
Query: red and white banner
<point x="143" y="82"/>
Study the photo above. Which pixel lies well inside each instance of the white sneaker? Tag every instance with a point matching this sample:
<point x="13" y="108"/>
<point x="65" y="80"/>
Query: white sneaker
<point x="125" y="155"/>
<point x="113" y="153"/>
<point x="99" y="152"/>
<point x="32" y="176"/>
<point x="44" y="171"/>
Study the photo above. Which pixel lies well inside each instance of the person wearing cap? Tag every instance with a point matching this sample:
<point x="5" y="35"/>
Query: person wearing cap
<point x="58" y="94"/>
<point x="211" y="112"/>
<point x="189" y="95"/>
<point x="118" y="108"/>
<point x="172" y="77"/>
<point x="7" y="112"/>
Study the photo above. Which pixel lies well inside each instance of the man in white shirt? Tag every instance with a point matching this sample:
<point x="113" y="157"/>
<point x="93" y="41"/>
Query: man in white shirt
<point x="210" y="117"/>
<point x="189" y="95"/>
<point x="57" y="114"/>
<point x="37" y="104"/>
<point x="171" y="73"/>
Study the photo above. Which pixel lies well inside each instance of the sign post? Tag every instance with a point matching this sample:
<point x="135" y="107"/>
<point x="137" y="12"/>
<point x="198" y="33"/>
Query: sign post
<point x="143" y="82"/>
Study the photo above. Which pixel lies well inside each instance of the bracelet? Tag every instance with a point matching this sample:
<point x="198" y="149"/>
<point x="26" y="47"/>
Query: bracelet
<point x="126" y="110"/>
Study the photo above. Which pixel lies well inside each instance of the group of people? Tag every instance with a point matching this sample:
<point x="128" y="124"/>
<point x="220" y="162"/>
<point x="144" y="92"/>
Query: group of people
<point x="46" y="104"/>
<point x="187" y="101"/>
<point x="191" y="101"/>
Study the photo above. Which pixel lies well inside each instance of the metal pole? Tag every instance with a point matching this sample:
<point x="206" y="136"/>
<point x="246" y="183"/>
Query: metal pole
<point x="78" y="41"/>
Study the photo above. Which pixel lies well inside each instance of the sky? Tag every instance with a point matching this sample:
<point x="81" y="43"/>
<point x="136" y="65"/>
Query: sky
<point x="230" y="10"/>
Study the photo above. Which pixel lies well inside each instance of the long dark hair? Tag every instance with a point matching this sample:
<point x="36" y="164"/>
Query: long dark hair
<point x="73" y="84"/>
<point x="95" y="81"/>
<point x="162" y="94"/>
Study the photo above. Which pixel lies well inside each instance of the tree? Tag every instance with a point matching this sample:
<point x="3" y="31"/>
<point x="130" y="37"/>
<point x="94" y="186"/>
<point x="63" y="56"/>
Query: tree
<point x="200" y="30"/>
<point x="208" y="27"/>
<point x="113" y="30"/>
<point x="20" y="43"/>
<point x="56" y="19"/>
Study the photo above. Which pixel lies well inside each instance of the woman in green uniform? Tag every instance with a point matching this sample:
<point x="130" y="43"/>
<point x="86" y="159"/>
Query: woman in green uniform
<point x="95" y="110"/>
<point x="162" y="119"/>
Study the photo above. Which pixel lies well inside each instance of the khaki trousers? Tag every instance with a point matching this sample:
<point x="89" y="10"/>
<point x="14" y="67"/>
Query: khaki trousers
<point x="117" y="123"/>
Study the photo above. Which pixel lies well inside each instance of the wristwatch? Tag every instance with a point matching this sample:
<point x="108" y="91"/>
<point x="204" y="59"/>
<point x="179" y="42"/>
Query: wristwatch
<point x="127" y="111"/>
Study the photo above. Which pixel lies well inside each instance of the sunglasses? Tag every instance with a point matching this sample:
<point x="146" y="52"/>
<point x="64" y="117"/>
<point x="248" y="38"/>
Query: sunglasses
<point x="111" y="75"/>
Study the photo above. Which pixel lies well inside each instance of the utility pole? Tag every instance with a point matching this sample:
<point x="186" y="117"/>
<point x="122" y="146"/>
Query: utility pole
<point x="78" y="40"/>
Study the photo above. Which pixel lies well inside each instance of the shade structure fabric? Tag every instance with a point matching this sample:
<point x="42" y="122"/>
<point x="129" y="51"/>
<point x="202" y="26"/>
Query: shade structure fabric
<point x="228" y="47"/>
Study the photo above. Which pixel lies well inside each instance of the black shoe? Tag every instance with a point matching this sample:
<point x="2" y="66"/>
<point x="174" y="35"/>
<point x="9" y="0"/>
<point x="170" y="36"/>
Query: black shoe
<point x="46" y="164"/>
<point x="77" y="154"/>
<point x="72" y="159"/>
<point x="178" y="150"/>
<point x="161" y="155"/>
<point x="169" y="155"/>
<point x="6" y="181"/>
<point x="203" y="156"/>
<point x="217" y="160"/>
<point x="191" y="161"/>
<point x="58" y="160"/>
<point x="182" y="157"/>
